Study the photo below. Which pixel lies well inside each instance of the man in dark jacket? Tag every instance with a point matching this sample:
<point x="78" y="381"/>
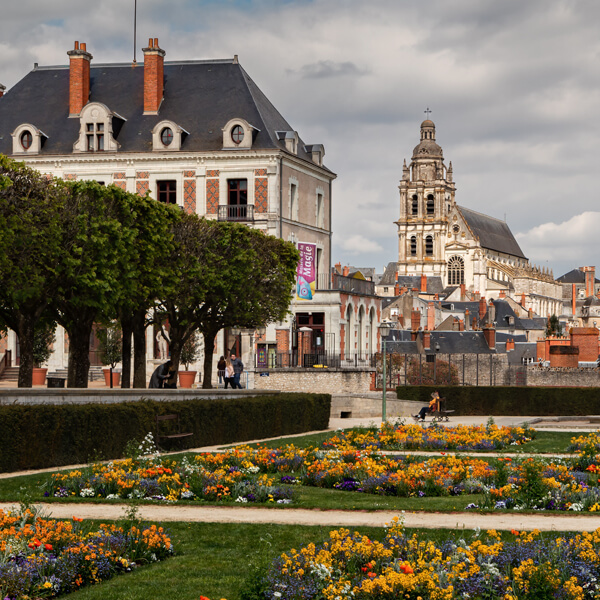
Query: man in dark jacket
<point x="238" y="368"/>
<point x="161" y="373"/>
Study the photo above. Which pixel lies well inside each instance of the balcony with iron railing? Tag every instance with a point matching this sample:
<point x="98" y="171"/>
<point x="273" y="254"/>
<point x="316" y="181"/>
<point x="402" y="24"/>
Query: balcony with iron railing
<point x="236" y="212"/>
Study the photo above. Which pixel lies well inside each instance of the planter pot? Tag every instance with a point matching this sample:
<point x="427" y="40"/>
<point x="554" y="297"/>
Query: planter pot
<point x="39" y="376"/>
<point x="187" y="378"/>
<point x="116" y="378"/>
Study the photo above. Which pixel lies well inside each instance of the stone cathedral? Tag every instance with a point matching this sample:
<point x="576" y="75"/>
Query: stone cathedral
<point x="439" y="238"/>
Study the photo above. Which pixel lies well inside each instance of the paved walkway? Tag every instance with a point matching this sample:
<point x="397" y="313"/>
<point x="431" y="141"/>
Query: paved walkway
<point x="333" y="518"/>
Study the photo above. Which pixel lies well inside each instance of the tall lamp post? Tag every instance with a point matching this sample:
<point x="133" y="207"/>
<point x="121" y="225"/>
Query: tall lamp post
<point x="384" y="328"/>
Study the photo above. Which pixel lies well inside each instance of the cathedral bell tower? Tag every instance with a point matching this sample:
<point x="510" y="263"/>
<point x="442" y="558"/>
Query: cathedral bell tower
<point x="426" y="199"/>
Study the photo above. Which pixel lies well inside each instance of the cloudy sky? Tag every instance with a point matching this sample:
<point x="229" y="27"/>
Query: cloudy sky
<point x="513" y="85"/>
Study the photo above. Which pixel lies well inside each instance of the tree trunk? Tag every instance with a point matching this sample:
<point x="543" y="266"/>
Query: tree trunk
<point x="79" y="355"/>
<point x="209" y="348"/>
<point x="139" y="349"/>
<point x="126" y="330"/>
<point x="26" y="332"/>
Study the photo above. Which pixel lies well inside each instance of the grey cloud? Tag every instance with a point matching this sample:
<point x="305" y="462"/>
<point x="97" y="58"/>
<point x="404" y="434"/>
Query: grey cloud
<point x="326" y="69"/>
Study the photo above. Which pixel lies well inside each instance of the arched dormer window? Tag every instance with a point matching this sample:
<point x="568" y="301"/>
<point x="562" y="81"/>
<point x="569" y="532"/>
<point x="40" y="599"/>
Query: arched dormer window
<point x="98" y="129"/>
<point x="413" y="245"/>
<point x="167" y="136"/>
<point x="430" y="205"/>
<point x="415" y="206"/>
<point x="28" y="139"/>
<point x="456" y="270"/>
<point x="429" y="245"/>
<point x="238" y="134"/>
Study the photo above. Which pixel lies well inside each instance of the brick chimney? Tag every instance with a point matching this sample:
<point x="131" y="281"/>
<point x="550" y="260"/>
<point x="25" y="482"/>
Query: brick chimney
<point x="590" y="276"/>
<point x="491" y="314"/>
<point x="423" y="283"/>
<point x="482" y="309"/>
<point x="427" y="339"/>
<point x="79" y="78"/>
<point x="154" y="80"/>
<point x="510" y="345"/>
<point x="346" y="271"/>
<point x="463" y="292"/>
<point x="396" y="289"/>
<point x="489" y="333"/>
<point x="523" y="300"/>
<point x="467" y="322"/>
<point x="415" y="320"/>
<point x="2" y="90"/>
<point x="430" y="316"/>
<point x="461" y="325"/>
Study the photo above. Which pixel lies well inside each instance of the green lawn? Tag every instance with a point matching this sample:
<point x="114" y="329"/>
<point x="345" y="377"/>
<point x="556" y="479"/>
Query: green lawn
<point x="218" y="560"/>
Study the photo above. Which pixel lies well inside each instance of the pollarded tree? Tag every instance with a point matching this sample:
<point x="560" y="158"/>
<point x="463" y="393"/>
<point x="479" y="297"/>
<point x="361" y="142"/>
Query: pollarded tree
<point x="225" y="275"/>
<point x="94" y="267"/>
<point x="252" y="286"/>
<point x="149" y="264"/>
<point x="31" y="247"/>
<point x="193" y="271"/>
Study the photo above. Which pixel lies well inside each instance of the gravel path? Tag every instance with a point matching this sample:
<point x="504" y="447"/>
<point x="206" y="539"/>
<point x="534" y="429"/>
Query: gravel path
<point x="336" y="518"/>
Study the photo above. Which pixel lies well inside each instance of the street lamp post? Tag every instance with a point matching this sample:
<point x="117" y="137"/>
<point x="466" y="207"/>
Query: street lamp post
<point x="384" y="328"/>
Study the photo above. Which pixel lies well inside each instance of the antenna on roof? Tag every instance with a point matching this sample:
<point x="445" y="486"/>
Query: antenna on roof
<point x="134" y="28"/>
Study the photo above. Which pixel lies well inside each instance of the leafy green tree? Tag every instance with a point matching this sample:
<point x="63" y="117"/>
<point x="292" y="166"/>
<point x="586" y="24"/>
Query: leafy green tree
<point x="43" y="338"/>
<point x="31" y="246"/>
<point x="98" y="235"/>
<point x="553" y="327"/>
<point x="252" y="285"/>
<point x="149" y="264"/>
<point x="111" y="345"/>
<point x="225" y="275"/>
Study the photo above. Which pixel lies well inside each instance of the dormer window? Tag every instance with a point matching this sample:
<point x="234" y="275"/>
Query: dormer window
<point x="99" y="129"/>
<point x="94" y="137"/>
<point x="27" y="139"/>
<point x="167" y="135"/>
<point x="238" y="134"/>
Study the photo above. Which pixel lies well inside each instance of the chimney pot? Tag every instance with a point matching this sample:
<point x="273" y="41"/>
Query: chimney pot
<point x="156" y="42"/>
<point x="76" y="45"/>
<point x="83" y="46"/>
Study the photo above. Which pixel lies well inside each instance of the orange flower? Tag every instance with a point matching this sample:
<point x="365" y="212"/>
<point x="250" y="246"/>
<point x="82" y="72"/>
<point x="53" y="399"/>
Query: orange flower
<point x="514" y="532"/>
<point x="48" y="547"/>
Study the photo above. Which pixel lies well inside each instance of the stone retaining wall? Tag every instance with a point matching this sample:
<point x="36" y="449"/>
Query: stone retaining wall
<point x="322" y="381"/>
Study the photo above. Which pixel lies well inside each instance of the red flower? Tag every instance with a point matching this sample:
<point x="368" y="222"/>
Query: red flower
<point x="371" y="575"/>
<point x="48" y="547"/>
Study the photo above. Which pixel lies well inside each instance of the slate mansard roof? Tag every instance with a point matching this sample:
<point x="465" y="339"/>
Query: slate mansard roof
<point x="493" y="234"/>
<point x="199" y="96"/>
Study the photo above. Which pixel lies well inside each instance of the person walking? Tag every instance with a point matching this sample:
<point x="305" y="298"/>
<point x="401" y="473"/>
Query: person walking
<point x="221" y="369"/>
<point x="238" y="369"/>
<point x="229" y="374"/>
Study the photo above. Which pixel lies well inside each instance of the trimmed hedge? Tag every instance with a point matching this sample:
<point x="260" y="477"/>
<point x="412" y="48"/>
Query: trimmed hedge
<point x="52" y="435"/>
<point x="516" y="401"/>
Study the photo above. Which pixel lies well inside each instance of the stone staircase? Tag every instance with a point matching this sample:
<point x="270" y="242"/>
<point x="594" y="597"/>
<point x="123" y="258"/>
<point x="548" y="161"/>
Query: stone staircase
<point x="11" y="374"/>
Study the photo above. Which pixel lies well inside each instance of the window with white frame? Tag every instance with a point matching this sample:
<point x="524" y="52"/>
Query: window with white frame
<point x="294" y="201"/>
<point x="320" y="210"/>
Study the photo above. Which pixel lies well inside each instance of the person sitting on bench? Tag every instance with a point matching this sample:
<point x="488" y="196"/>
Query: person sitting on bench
<point x="434" y="405"/>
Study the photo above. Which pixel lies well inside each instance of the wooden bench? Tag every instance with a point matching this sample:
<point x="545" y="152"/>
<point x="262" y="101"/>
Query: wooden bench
<point x="174" y="430"/>
<point x="441" y="414"/>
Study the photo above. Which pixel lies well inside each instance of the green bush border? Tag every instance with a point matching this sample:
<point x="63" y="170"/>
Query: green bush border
<point x="513" y="400"/>
<point x="52" y="435"/>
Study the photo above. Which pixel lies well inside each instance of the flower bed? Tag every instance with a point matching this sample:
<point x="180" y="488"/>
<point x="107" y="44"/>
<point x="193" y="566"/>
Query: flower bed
<point x="433" y="437"/>
<point x="168" y="481"/>
<point x="351" y="565"/>
<point x="44" y="558"/>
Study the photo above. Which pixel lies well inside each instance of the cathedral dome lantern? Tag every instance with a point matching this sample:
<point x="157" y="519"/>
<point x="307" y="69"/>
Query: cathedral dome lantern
<point x="427" y="147"/>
